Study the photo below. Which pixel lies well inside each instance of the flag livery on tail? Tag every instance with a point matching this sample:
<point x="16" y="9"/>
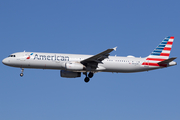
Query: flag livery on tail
<point x="161" y="53"/>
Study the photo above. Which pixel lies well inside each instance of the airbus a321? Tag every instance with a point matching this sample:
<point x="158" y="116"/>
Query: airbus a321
<point x="72" y="65"/>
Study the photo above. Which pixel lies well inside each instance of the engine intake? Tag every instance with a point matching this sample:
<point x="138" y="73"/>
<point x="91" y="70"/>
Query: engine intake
<point x="69" y="74"/>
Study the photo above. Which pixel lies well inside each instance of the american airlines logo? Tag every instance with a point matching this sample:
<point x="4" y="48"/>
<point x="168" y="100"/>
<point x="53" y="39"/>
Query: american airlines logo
<point x="29" y="56"/>
<point x="51" y="57"/>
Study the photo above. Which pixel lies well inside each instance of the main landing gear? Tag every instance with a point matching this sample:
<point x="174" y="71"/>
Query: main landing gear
<point x="22" y="70"/>
<point x="90" y="75"/>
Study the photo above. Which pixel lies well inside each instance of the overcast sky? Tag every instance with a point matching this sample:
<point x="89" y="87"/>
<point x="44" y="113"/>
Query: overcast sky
<point x="89" y="27"/>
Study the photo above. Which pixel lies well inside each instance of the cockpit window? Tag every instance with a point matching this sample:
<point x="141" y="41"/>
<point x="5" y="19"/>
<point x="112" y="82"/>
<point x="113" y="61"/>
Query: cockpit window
<point x="12" y="56"/>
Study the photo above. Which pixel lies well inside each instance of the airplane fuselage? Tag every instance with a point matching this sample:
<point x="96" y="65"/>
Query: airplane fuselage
<point x="72" y="65"/>
<point x="58" y="61"/>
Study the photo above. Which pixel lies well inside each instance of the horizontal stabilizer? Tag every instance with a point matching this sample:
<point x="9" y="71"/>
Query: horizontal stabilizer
<point x="167" y="61"/>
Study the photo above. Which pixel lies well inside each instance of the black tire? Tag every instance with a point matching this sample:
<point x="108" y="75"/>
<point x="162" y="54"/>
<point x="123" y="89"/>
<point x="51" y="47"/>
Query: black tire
<point x="90" y="75"/>
<point x="86" y="79"/>
<point x="21" y="74"/>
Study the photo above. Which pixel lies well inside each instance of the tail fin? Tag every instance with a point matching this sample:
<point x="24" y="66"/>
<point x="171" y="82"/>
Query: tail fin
<point x="162" y="51"/>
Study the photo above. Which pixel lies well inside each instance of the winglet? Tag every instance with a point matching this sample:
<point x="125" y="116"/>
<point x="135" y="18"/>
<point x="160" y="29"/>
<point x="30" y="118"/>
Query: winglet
<point x="115" y="48"/>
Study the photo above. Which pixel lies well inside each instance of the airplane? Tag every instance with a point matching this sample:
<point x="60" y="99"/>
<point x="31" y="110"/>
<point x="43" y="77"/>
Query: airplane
<point x="72" y="65"/>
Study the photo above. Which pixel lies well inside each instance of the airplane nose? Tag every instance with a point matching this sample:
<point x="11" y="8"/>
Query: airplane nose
<point x="5" y="61"/>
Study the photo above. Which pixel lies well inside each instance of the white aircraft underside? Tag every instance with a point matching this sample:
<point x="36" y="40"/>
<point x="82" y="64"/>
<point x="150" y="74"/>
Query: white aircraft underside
<point x="71" y="65"/>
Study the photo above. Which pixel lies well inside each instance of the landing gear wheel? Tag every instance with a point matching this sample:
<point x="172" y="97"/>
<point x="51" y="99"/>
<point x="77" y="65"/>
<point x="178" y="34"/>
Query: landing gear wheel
<point x="86" y="79"/>
<point x="21" y="74"/>
<point x="22" y="70"/>
<point x="90" y="75"/>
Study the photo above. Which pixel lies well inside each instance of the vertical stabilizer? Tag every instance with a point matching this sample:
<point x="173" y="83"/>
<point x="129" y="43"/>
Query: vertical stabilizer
<point x="160" y="54"/>
<point x="162" y="51"/>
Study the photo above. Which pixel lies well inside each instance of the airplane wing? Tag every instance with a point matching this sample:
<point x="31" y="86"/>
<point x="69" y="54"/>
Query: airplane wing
<point x="99" y="57"/>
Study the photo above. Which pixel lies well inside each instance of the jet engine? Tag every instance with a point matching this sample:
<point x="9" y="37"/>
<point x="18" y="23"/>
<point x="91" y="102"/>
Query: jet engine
<point x="74" y="66"/>
<point x="69" y="74"/>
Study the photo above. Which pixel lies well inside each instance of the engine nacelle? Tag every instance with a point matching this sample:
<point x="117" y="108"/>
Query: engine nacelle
<point x="69" y="74"/>
<point x="74" y="66"/>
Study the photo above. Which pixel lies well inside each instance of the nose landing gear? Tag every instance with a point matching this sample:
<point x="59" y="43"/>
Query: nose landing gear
<point x="90" y="75"/>
<point x="22" y="70"/>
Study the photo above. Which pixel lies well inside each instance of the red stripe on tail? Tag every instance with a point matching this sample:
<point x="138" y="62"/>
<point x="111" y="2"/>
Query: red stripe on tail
<point x="172" y="37"/>
<point x="169" y="43"/>
<point x="167" y="48"/>
<point x="155" y="59"/>
<point x="164" y="54"/>
<point x="154" y="64"/>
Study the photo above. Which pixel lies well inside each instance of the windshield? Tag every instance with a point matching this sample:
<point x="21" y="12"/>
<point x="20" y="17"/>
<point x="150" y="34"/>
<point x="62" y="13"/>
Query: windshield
<point x="12" y="56"/>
